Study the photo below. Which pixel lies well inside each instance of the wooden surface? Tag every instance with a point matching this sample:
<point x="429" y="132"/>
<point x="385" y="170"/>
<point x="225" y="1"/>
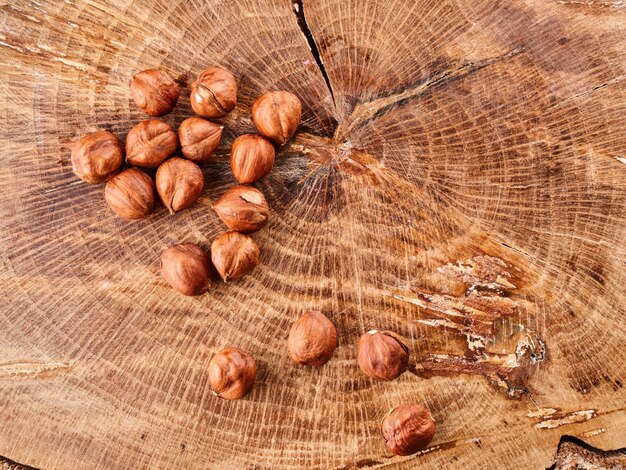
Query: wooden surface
<point x="462" y="182"/>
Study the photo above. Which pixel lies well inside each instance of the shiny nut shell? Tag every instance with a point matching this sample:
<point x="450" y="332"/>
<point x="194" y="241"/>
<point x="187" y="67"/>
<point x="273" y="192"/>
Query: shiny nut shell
<point x="234" y="255"/>
<point x="243" y="209"/>
<point x="130" y="194"/>
<point x="232" y="373"/>
<point x="150" y="143"/>
<point x="214" y="93"/>
<point x="382" y="355"/>
<point x="408" y="429"/>
<point x="96" y="157"/>
<point x="179" y="183"/>
<point x="276" y="115"/>
<point x="187" y="268"/>
<point x="199" y="138"/>
<point x="312" y="339"/>
<point x="252" y="157"/>
<point x="154" y="92"/>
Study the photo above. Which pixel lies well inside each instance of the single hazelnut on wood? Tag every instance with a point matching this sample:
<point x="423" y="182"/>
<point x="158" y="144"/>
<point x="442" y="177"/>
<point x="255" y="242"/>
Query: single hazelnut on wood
<point x="154" y="92"/>
<point x="96" y="157"/>
<point x="187" y="268"/>
<point x="234" y="255"/>
<point x="408" y="429"/>
<point x="199" y="138"/>
<point x="312" y="339"/>
<point x="382" y="355"/>
<point x="130" y="194"/>
<point x="179" y="183"/>
<point x="214" y="93"/>
<point x="232" y="373"/>
<point x="243" y="209"/>
<point x="252" y="157"/>
<point x="276" y="115"/>
<point x="149" y="143"/>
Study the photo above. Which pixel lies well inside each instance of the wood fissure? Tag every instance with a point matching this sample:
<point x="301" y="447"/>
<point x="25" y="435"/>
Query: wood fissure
<point x="366" y="112"/>
<point x="298" y="9"/>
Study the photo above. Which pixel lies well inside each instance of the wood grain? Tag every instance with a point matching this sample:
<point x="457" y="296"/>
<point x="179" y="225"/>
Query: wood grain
<point x="459" y="177"/>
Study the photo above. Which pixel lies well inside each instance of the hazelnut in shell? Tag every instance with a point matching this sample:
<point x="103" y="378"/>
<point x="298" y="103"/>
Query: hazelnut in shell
<point x="234" y="255"/>
<point x="214" y="93"/>
<point x="232" y="373"/>
<point x="408" y="429"/>
<point x="96" y="157"/>
<point x="312" y="339"/>
<point x="243" y="209"/>
<point x="276" y="115"/>
<point x="130" y="194"/>
<point x="150" y="143"/>
<point x="199" y="138"/>
<point x="382" y="355"/>
<point x="187" y="268"/>
<point x="179" y="183"/>
<point x="252" y="157"/>
<point x="154" y="92"/>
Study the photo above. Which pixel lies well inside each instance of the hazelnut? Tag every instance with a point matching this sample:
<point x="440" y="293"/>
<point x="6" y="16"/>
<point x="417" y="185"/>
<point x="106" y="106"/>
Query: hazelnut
<point x="199" y="138"/>
<point x="234" y="255"/>
<point x="187" y="268"/>
<point x="149" y="143"/>
<point x="96" y="157"/>
<point x="382" y="355"/>
<point x="276" y="115"/>
<point x="130" y="194"/>
<point x="408" y="429"/>
<point x="252" y="158"/>
<point x="179" y="183"/>
<point x="214" y="93"/>
<point x="232" y="373"/>
<point x="312" y="339"/>
<point x="243" y="209"/>
<point x="154" y="92"/>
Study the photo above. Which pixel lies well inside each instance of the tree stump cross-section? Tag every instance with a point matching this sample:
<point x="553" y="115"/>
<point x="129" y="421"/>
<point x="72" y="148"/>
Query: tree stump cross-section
<point x="459" y="178"/>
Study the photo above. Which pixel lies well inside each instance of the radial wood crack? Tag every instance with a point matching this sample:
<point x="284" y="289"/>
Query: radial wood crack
<point x="298" y="9"/>
<point x="365" y="112"/>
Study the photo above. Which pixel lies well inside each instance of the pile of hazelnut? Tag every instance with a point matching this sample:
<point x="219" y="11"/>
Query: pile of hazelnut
<point x="130" y="192"/>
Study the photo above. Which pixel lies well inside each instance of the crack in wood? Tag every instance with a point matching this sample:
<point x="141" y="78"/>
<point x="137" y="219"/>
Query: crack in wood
<point x="8" y="464"/>
<point x="573" y="453"/>
<point x="365" y="112"/>
<point x="298" y="9"/>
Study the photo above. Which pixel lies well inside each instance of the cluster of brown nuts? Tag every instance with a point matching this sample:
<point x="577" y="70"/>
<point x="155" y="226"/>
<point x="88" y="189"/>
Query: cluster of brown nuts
<point x="381" y="355"/>
<point x="189" y="269"/>
<point x="99" y="157"/>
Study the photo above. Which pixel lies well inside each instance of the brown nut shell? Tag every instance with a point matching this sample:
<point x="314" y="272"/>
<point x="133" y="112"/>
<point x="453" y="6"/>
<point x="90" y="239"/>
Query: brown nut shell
<point x="252" y="157"/>
<point x="150" y="143"/>
<point x="408" y="429"/>
<point x="130" y="194"/>
<point x="232" y="373"/>
<point x="243" y="209"/>
<point x="199" y="138"/>
<point x="382" y="355"/>
<point x="276" y="115"/>
<point x="187" y="268"/>
<point x="214" y="93"/>
<point x="154" y="92"/>
<point x="234" y="255"/>
<point x="179" y="183"/>
<point x="312" y="339"/>
<point x="98" y="156"/>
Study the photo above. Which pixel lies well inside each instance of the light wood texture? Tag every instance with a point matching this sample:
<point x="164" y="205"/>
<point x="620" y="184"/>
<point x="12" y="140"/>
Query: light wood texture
<point x="464" y="185"/>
